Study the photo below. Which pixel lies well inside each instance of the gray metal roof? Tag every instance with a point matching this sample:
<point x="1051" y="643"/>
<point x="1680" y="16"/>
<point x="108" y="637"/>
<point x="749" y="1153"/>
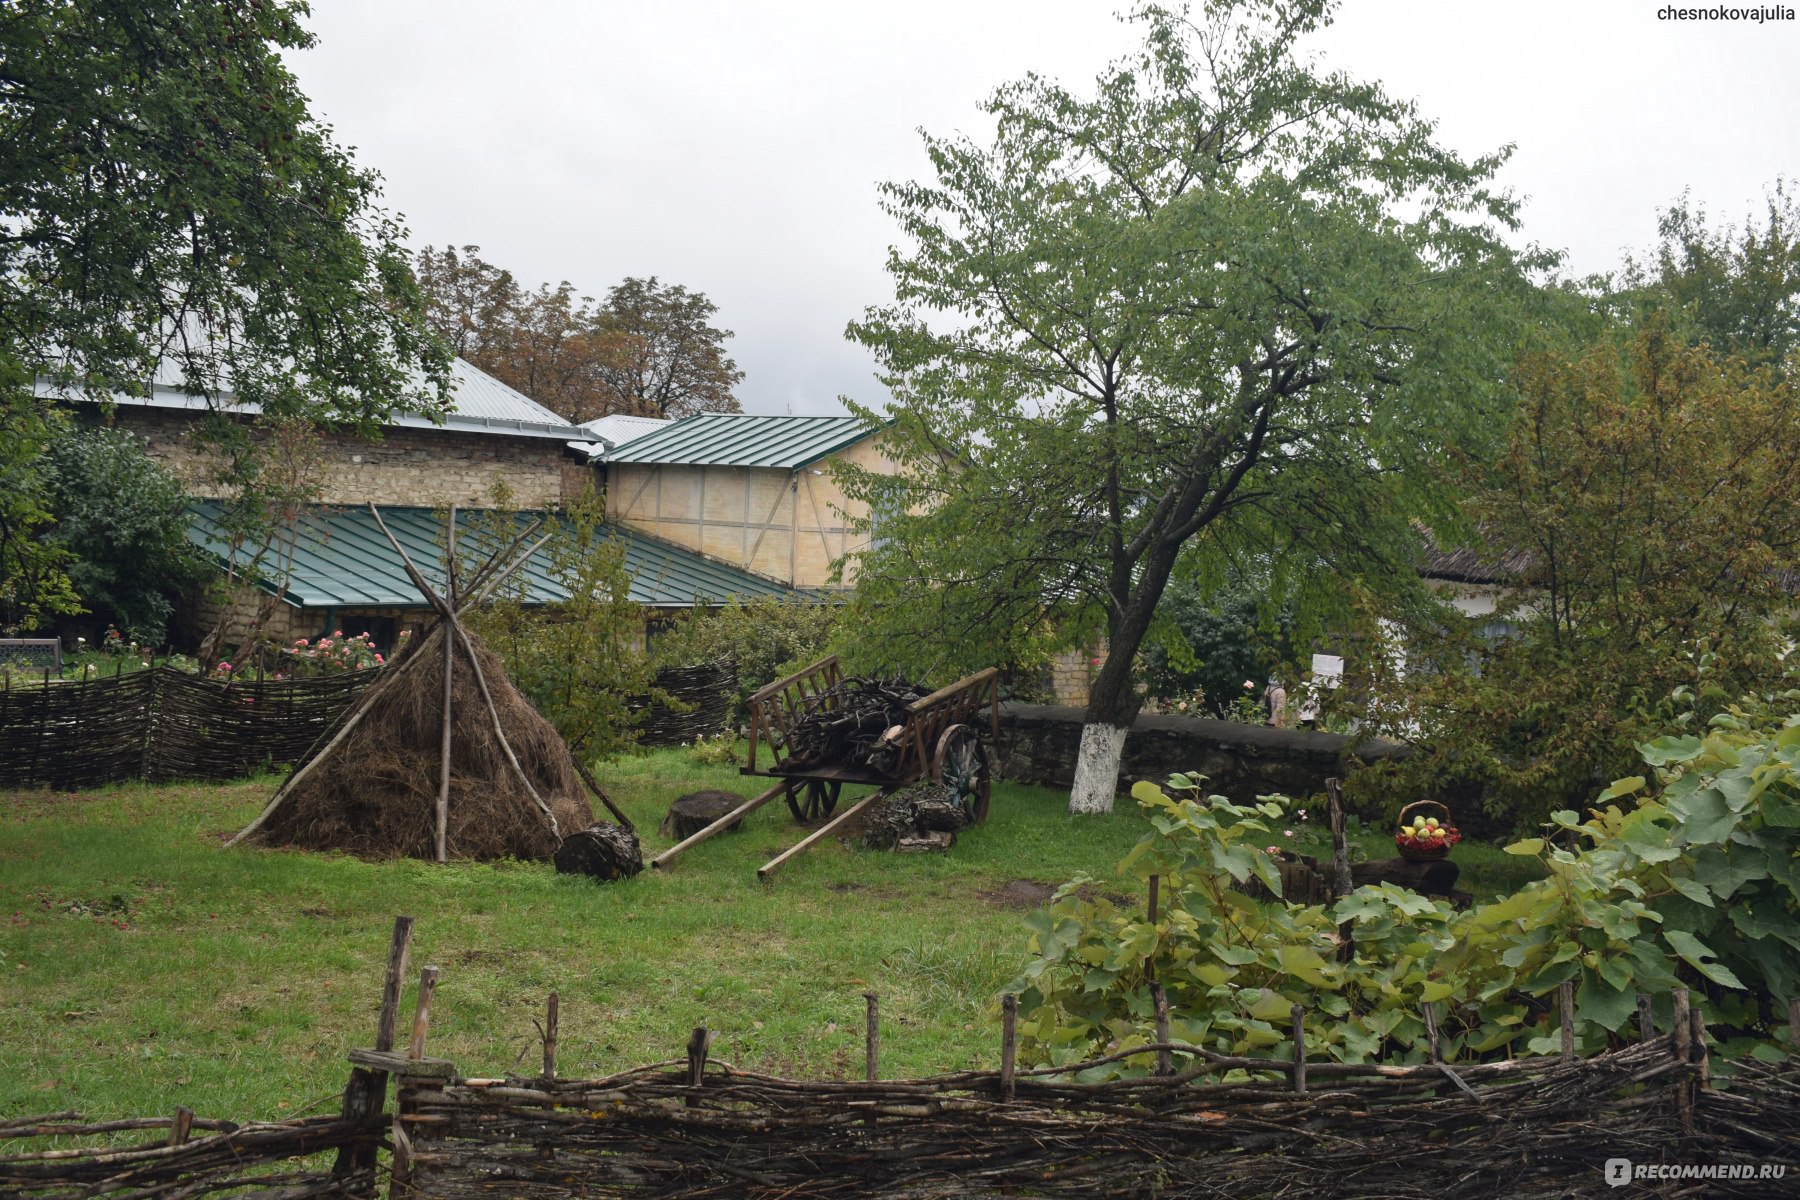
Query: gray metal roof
<point x="482" y="404"/>
<point x="744" y="440"/>
<point x="615" y="429"/>
<point x="342" y="560"/>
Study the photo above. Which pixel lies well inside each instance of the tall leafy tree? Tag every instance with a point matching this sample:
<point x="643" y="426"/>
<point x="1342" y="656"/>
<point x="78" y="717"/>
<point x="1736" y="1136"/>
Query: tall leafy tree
<point x="649" y="350"/>
<point x="1649" y="494"/>
<point x="661" y="355"/>
<point x="1225" y="305"/>
<point x="170" y="209"/>
<point x="122" y="518"/>
<point x="1735" y="287"/>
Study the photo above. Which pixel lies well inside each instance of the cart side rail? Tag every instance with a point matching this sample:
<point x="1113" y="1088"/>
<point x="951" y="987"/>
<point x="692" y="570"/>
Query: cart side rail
<point x="958" y="704"/>
<point x="775" y="708"/>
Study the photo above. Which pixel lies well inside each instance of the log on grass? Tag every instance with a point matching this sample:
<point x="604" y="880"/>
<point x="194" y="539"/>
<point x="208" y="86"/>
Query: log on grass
<point x="604" y="852"/>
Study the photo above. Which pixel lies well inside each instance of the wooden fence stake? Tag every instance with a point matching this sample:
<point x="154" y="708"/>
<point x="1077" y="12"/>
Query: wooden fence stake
<point x="1431" y="1030"/>
<point x="422" y="1014"/>
<point x="872" y="1040"/>
<point x="1150" y="960"/>
<point x="1565" y="1007"/>
<point x="1009" y="1044"/>
<point x="699" y="1042"/>
<point x="184" y="1125"/>
<point x="1646" y="1018"/>
<point x="1794" y="1024"/>
<point x="390" y="987"/>
<point x="1298" y="1012"/>
<point x="550" y="1013"/>
<point x="1165" y="1059"/>
<point x="366" y="1092"/>
<point x="1701" y="1055"/>
<point x="1680" y="1030"/>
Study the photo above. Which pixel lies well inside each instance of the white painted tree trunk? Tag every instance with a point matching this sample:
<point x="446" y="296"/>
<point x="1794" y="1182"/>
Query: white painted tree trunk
<point x="1097" y="768"/>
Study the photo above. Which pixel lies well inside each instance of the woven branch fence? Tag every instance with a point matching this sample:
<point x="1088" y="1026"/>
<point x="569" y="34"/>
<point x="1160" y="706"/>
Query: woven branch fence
<point x="162" y="724"/>
<point x="1207" y="1125"/>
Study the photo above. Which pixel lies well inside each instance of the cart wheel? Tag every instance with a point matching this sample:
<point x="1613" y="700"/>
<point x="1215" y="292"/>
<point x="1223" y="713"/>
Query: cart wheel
<point x="961" y="764"/>
<point x="813" y="799"/>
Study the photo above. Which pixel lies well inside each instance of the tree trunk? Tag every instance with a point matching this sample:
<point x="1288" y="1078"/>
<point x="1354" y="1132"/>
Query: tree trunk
<point x="1097" y="768"/>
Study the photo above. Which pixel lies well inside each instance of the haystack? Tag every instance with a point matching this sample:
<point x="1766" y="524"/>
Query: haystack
<point x="441" y="758"/>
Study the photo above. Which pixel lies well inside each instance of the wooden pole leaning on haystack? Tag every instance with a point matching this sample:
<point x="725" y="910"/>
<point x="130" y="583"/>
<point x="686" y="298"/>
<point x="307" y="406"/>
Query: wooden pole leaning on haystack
<point x="448" y="627"/>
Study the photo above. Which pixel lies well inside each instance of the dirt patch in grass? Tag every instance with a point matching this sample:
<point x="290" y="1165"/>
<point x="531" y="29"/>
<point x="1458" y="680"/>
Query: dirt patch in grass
<point x="1031" y="893"/>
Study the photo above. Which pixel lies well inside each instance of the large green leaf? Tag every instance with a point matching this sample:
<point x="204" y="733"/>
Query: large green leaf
<point x="1672" y="749"/>
<point x="1698" y="956"/>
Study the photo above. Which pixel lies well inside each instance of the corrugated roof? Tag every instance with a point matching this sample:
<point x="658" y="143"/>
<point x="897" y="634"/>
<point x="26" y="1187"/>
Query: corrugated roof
<point x="482" y="404"/>
<point x="744" y="440"/>
<point x="341" y="560"/>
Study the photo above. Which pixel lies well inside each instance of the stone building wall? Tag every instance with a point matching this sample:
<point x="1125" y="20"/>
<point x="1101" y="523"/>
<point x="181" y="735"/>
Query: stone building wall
<point x="430" y="467"/>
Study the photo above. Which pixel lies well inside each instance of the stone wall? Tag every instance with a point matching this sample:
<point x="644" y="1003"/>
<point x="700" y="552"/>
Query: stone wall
<point x="430" y="467"/>
<point x="1039" y="744"/>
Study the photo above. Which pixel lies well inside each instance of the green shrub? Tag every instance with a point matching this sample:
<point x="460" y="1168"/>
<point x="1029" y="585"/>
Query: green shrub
<point x="1691" y="880"/>
<point x="767" y="638"/>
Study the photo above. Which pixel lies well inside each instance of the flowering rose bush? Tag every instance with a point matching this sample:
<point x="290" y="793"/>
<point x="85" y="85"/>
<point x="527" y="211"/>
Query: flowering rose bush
<point x="333" y="654"/>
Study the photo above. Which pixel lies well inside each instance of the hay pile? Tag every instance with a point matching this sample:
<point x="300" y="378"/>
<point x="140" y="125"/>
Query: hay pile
<point x="374" y="792"/>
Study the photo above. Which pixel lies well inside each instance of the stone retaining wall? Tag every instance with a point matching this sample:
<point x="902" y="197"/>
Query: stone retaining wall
<point x="1039" y="743"/>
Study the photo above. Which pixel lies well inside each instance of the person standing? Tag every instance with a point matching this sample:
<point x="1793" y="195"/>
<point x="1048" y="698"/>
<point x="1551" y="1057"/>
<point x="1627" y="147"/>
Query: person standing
<point x="1275" y="703"/>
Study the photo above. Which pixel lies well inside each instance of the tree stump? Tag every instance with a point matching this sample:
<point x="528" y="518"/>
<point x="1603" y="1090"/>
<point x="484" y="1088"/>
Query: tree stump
<point x="605" y="852"/>
<point x="1434" y="878"/>
<point x="696" y="810"/>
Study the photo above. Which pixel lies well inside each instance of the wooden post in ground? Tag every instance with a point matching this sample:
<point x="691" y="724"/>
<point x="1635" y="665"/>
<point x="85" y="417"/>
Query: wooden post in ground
<point x="1794" y="1025"/>
<point x="1298" y="1013"/>
<point x="1565" y="1009"/>
<point x="428" y="978"/>
<point x="1165" y="1058"/>
<point x="872" y="1039"/>
<point x="1702" y="1056"/>
<point x="366" y="1092"/>
<point x="550" y="1015"/>
<point x="1009" y="1044"/>
<point x="1646" y="1018"/>
<point x="182" y="1126"/>
<point x="1681" y="1037"/>
<point x="699" y="1043"/>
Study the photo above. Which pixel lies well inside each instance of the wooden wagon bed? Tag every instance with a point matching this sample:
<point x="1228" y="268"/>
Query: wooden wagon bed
<point x="943" y="738"/>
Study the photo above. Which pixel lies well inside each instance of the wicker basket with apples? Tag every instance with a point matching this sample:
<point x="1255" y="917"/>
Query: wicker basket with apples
<point x="1423" y="838"/>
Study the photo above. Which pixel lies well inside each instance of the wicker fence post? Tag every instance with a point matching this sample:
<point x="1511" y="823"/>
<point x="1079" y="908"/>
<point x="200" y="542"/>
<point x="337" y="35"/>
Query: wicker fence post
<point x="1009" y="1044"/>
<point x="1565" y="1006"/>
<point x="872" y="1039"/>
<point x="1298" y="1012"/>
<point x="551" y="1008"/>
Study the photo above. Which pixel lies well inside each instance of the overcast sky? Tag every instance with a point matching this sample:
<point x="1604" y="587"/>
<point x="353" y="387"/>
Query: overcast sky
<point x="734" y="146"/>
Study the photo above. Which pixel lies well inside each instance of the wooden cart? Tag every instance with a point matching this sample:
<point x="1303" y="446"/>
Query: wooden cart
<point x="944" y="738"/>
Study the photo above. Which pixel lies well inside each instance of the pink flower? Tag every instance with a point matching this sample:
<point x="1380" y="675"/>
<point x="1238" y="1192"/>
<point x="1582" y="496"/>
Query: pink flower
<point x="379" y="660"/>
<point x="224" y="666"/>
<point x="1287" y="833"/>
<point x="299" y="641"/>
<point x="1274" y="849"/>
<point x="337" y="633"/>
<point x="1248" y="686"/>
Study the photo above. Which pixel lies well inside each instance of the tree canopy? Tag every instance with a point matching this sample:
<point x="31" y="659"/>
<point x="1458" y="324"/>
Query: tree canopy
<point x="1224" y="307"/>
<point x="648" y="350"/>
<point x="170" y="211"/>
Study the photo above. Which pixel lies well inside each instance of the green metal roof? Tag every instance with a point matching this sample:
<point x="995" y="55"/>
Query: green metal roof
<point x="341" y="560"/>
<point x="744" y="440"/>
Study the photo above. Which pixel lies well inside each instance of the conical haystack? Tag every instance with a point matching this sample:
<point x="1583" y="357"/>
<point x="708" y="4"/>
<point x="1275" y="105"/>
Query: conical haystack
<point x="442" y="757"/>
<point x="375" y="792"/>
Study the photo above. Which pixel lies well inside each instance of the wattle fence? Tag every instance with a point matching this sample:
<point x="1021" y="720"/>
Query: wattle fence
<point x="162" y="724"/>
<point x="1206" y="1125"/>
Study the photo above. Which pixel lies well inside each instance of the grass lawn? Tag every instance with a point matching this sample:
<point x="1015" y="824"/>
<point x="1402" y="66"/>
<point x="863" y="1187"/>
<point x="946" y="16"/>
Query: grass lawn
<point x="145" y="966"/>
